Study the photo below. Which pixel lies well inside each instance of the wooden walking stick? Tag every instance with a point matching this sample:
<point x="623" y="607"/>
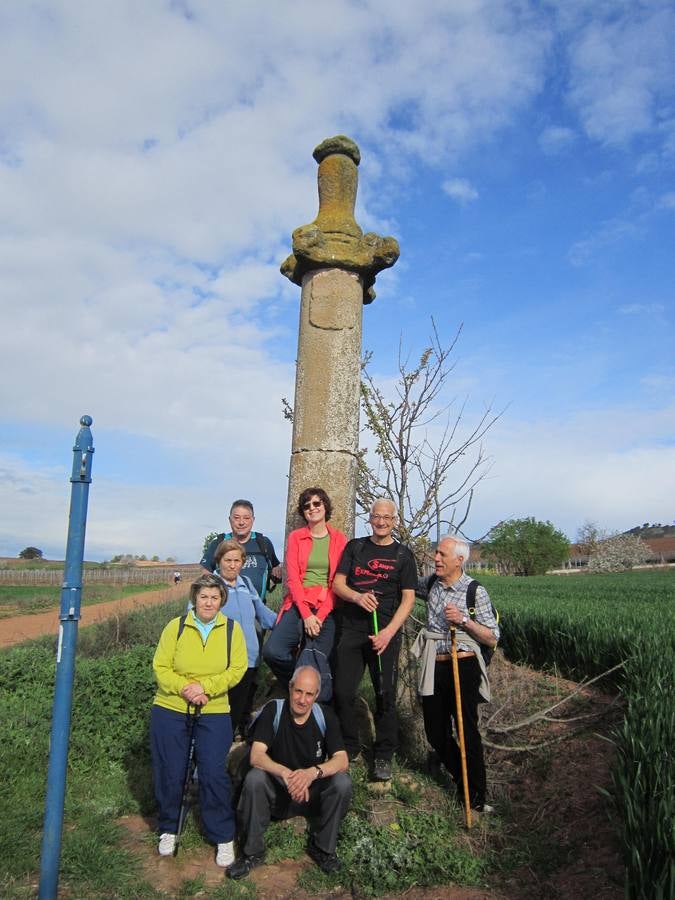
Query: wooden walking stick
<point x="460" y="727"/>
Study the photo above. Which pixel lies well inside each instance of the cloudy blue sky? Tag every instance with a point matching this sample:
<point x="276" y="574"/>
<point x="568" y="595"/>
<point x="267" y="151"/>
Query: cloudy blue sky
<point x="155" y="158"/>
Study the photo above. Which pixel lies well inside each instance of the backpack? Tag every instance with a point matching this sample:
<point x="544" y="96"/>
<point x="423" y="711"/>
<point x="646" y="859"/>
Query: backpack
<point x="486" y="652"/>
<point x="239" y="761"/>
<point x="310" y="656"/>
<point x="317" y="712"/>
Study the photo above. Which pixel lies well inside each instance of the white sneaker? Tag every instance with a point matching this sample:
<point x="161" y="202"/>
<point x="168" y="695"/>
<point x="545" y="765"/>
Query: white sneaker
<point x="167" y="844"/>
<point x="225" y="854"/>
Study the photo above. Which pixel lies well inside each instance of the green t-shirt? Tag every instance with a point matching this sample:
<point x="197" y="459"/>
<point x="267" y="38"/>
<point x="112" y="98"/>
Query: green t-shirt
<point x="317" y="564"/>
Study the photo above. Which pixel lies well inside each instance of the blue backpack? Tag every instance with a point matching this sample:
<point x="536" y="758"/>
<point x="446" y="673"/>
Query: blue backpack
<point x="316" y="659"/>
<point x="317" y="712"/>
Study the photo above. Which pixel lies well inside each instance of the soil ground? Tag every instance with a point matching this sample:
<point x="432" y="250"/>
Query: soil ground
<point x="555" y="841"/>
<point x="17" y="629"/>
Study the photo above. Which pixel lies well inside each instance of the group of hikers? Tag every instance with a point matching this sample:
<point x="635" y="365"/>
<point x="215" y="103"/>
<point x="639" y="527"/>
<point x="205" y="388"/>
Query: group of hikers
<point x="344" y="609"/>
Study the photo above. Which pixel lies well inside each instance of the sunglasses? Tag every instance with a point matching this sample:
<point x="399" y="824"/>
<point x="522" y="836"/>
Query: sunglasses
<point x="313" y="504"/>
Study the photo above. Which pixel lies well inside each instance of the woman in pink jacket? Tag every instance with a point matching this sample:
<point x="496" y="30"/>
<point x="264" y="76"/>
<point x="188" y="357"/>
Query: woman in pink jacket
<point x="312" y="556"/>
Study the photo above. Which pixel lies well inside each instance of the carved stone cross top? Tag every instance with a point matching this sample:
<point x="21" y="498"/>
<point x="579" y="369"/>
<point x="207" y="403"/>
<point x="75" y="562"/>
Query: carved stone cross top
<point x="334" y="239"/>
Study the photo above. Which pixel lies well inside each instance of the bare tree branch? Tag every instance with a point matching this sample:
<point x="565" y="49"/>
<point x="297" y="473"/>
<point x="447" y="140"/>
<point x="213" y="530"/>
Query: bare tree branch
<point x="426" y="457"/>
<point x="543" y="714"/>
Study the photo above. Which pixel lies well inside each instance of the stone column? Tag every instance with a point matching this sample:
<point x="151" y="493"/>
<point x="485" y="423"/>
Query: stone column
<point x="336" y="265"/>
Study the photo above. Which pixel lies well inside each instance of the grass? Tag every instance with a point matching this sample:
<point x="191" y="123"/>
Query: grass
<point x="109" y="776"/>
<point x="48" y="564"/>
<point x="109" y="768"/>
<point x="587" y="624"/>
<point x="18" y="600"/>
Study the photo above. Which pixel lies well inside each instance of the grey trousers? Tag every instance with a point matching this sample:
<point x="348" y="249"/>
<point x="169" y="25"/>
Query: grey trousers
<point x="265" y="797"/>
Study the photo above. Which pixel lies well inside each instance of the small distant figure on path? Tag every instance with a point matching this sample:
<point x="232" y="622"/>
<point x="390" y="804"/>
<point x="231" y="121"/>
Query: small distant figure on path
<point x="177" y="577"/>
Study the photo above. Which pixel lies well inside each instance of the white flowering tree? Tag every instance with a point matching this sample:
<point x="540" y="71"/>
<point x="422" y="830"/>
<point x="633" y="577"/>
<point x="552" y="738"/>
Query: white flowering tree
<point x="427" y="456"/>
<point x="618" y="553"/>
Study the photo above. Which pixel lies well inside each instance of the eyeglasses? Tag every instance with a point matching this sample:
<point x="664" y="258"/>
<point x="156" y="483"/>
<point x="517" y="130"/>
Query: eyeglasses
<point x="313" y="504"/>
<point x="378" y="518"/>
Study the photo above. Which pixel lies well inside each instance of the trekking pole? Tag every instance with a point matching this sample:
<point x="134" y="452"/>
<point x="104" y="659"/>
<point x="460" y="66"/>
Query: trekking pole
<point x="182" y="815"/>
<point x="460" y="728"/>
<point x="376" y="629"/>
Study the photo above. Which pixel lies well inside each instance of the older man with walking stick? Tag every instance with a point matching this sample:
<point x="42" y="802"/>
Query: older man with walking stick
<point x="460" y="618"/>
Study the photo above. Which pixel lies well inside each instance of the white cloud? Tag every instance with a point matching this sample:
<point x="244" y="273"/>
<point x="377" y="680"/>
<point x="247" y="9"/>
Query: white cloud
<point x="659" y="382"/>
<point x="154" y="160"/>
<point x="616" y="467"/>
<point x="608" y="234"/>
<point x="160" y="163"/>
<point x="622" y="76"/>
<point x="641" y="309"/>
<point x="460" y="189"/>
<point x="556" y="139"/>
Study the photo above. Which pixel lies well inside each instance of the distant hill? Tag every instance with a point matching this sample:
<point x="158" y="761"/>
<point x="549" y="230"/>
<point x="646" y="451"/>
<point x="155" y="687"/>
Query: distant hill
<point x="657" y="530"/>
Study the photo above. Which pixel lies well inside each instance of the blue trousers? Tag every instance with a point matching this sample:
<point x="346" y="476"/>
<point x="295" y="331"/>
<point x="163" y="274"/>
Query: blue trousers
<point x="280" y="646"/>
<point x="169" y="746"/>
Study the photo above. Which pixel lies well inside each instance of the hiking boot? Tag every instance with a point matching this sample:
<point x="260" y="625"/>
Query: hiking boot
<point x="327" y="862"/>
<point x="434" y="765"/>
<point x="242" y="867"/>
<point x="382" y="770"/>
<point x="225" y="854"/>
<point x="167" y="844"/>
<point x="485" y="809"/>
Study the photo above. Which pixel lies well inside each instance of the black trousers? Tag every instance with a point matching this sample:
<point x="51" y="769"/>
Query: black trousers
<point x="354" y="653"/>
<point x="265" y="797"/>
<point x="439" y="713"/>
<point x="241" y="699"/>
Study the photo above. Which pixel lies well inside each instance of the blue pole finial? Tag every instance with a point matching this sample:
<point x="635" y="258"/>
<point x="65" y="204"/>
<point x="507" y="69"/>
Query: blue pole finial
<point x="71" y="594"/>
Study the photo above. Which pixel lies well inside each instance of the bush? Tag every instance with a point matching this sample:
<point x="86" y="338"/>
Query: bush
<point x="418" y="849"/>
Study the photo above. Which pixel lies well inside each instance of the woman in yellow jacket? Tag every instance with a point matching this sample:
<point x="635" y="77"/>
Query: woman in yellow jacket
<point x="193" y="668"/>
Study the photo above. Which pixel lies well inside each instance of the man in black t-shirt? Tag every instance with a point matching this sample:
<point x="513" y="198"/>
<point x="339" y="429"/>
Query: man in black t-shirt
<point x="377" y="577"/>
<point x="299" y="768"/>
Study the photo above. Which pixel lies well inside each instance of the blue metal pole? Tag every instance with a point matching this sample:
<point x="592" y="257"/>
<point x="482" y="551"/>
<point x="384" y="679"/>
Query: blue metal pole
<point x="71" y="596"/>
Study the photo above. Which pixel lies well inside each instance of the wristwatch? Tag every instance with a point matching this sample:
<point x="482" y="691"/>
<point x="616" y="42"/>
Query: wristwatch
<point x="464" y="620"/>
<point x="319" y="771"/>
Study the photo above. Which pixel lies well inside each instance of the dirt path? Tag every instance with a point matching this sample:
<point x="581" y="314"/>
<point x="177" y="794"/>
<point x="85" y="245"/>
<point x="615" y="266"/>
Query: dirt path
<point x="276" y="881"/>
<point x="18" y="629"/>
